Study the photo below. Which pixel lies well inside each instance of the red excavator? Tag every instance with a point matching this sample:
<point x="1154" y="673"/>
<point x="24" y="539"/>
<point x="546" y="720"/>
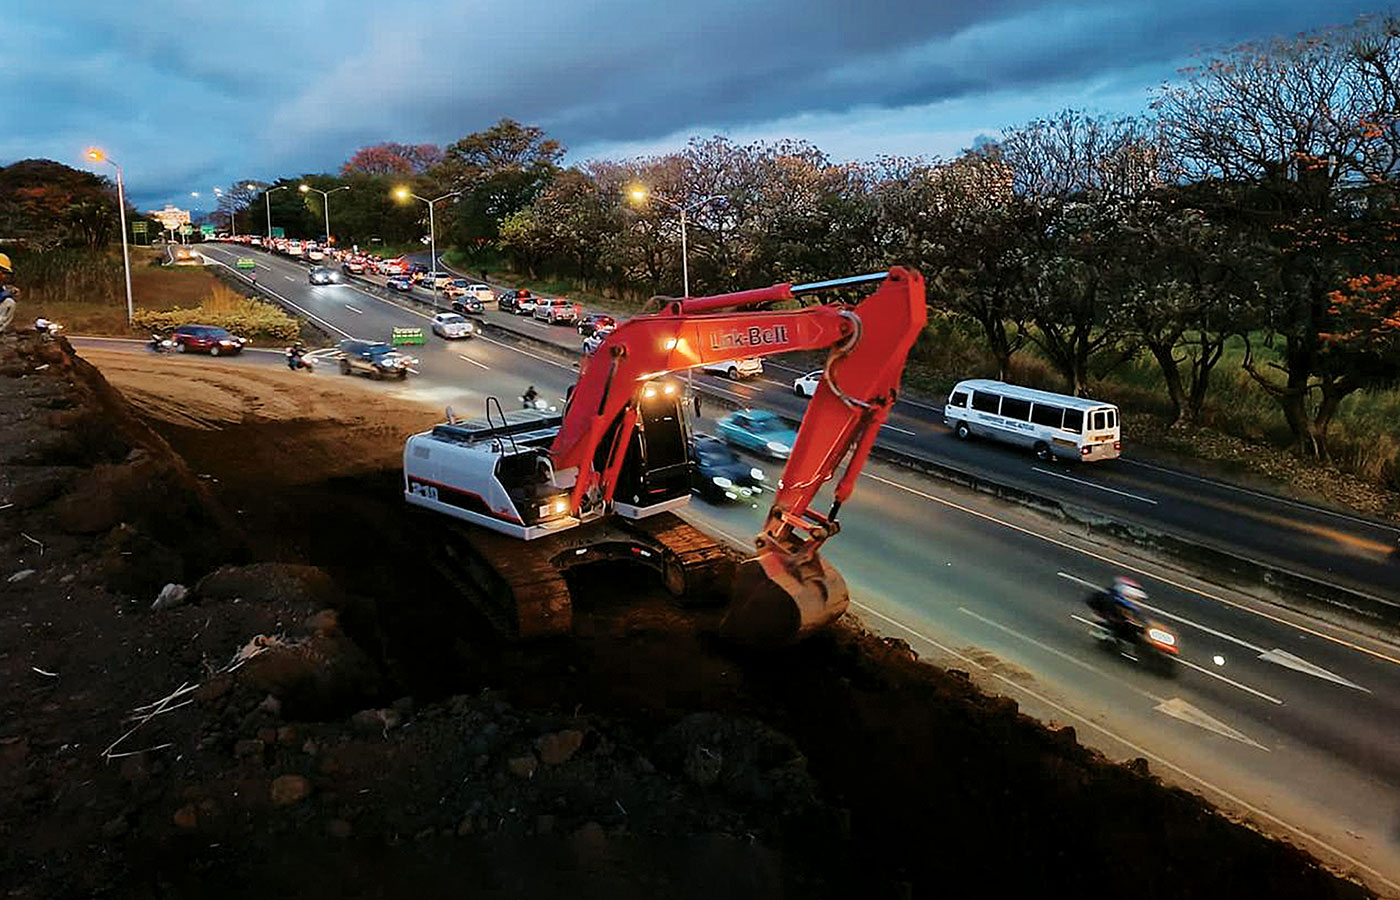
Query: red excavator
<point x="599" y="482"/>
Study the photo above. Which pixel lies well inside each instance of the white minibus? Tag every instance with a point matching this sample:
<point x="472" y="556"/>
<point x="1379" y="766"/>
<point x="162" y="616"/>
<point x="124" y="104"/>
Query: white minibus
<point x="1050" y="424"/>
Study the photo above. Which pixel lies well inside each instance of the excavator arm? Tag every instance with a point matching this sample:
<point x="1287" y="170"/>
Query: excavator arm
<point x="786" y="590"/>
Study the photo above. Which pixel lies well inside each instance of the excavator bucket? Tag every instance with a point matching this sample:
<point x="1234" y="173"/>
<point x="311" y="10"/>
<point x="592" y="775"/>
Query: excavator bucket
<point x="773" y="605"/>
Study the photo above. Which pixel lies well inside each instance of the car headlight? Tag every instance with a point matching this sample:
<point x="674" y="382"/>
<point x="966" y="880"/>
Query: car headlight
<point x="561" y="506"/>
<point x="721" y="481"/>
<point x="756" y="473"/>
<point x="778" y="447"/>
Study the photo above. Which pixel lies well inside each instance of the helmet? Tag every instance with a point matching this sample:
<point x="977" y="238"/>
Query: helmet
<point x="1130" y="590"/>
<point x="6" y="265"/>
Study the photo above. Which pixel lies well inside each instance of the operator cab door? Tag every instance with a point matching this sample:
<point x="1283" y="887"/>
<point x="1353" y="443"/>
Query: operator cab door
<point x="655" y="475"/>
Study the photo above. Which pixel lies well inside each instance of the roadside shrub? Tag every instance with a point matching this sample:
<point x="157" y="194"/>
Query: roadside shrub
<point x="68" y="276"/>
<point x="245" y="317"/>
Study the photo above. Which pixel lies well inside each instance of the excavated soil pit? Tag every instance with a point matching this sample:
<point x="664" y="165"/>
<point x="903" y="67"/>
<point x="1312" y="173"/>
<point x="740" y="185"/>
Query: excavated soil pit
<point x="639" y="757"/>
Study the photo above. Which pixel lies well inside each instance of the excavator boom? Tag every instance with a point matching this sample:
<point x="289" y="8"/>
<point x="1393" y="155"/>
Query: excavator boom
<point x="786" y="591"/>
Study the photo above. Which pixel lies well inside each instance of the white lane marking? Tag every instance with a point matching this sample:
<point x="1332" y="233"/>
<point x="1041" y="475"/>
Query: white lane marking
<point x="306" y="312"/>
<point x="1092" y="485"/>
<point x="472" y="361"/>
<point x="1244" y="687"/>
<point x="1298" y="664"/>
<point x="1131" y="568"/>
<point x="1263" y="496"/>
<point x="1178" y="708"/>
<point x="776" y="384"/>
<point x="1088" y="584"/>
<point x="526" y="352"/>
<point x="1141" y="751"/>
<point x="288" y="278"/>
<point x="358" y="312"/>
<point x="897" y="428"/>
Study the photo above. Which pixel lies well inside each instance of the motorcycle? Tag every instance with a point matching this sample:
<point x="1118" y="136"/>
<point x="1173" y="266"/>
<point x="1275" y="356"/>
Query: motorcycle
<point x="296" y="359"/>
<point x="1149" y="643"/>
<point x="536" y="403"/>
<point x="158" y="344"/>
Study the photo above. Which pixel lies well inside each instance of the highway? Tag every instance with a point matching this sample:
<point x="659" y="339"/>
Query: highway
<point x="1286" y="719"/>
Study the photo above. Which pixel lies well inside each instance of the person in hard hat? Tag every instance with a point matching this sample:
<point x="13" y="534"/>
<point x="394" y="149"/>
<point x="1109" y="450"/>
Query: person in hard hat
<point x="7" y="291"/>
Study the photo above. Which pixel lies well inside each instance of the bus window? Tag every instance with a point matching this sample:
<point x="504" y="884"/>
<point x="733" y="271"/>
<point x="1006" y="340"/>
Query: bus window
<point x="985" y="402"/>
<point x="1113" y="418"/>
<point x="1100" y="419"/>
<point x="959" y="398"/>
<point x="1020" y="410"/>
<point x="1074" y="420"/>
<point x="1047" y="415"/>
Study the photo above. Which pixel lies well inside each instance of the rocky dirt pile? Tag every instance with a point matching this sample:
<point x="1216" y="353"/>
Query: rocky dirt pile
<point x="319" y="716"/>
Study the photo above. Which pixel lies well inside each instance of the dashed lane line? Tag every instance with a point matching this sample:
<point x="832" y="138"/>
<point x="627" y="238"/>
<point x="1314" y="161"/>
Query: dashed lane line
<point x="1130" y="567"/>
<point x="472" y="361"/>
<point x="1092" y="485"/>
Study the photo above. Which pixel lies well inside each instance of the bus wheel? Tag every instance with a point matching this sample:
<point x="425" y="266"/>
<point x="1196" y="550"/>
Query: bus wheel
<point x="1042" y="452"/>
<point x="962" y="431"/>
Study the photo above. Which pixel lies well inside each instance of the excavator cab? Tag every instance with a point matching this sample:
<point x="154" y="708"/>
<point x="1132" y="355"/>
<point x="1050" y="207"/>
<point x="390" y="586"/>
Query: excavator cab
<point x="655" y="475"/>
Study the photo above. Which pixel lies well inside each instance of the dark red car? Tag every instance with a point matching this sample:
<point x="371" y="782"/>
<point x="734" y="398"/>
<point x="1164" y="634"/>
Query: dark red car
<point x="206" y="339"/>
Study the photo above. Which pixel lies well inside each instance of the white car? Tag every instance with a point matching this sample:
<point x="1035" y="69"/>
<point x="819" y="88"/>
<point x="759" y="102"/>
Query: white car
<point x="316" y="254"/>
<point x="735" y="369"/>
<point x="556" y="311"/>
<point x="482" y="292"/>
<point x="451" y="325"/>
<point x="806" y="385"/>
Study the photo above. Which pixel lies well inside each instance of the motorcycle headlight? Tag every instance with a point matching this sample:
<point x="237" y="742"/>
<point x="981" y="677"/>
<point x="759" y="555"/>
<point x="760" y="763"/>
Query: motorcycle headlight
<point x="756" y="473"/>
<point x="721" y="481"/>
<point x="778" y="447"/>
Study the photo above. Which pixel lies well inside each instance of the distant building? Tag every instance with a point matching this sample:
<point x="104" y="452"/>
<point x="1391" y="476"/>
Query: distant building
<point x="171" y="218"/>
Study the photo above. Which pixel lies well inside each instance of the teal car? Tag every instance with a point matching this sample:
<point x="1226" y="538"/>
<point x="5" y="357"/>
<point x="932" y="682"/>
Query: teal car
<point x="758" y="430"/>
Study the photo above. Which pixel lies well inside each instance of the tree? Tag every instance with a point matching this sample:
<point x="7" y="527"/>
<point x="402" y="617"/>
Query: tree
<point x="499" y="171"/>
<point x="1186" y="285"/>
<point x="1306" y="129"/>
<point x="390" y="158"/>
<point x="46" y="204"/>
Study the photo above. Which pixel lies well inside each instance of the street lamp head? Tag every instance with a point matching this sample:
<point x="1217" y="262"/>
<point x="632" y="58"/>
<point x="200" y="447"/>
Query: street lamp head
<point x="304" y="188"/>
<point x="250" y="186"/>
<point x="401" y="193"/>
<point x="638" y="194"/>
<point x="95" y="154"/>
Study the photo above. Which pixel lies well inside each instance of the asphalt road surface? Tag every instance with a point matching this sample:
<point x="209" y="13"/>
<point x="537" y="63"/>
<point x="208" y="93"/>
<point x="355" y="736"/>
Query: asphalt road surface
<point x="1287" y="719"/>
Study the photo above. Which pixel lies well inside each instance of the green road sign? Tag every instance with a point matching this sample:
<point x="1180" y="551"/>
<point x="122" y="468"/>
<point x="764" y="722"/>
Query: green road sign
<point x="278" y="231"/>
<point x="138" y="227"/>
<point x="206" y="230"/>
<point x="247" y="262"/>
<point x="186" y="230"/>
<point x="407" y="336"/>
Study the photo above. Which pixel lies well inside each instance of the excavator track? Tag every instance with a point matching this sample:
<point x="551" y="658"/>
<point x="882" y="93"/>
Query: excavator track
<point x="520" y="587"/>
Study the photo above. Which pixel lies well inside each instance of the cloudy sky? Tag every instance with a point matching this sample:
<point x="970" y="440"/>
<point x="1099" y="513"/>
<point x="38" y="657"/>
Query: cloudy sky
<point x="189" y="95"/>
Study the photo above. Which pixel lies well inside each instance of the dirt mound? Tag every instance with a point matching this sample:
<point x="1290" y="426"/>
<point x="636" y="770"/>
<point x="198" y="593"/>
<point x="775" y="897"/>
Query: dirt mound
<point x="341" y="724"/>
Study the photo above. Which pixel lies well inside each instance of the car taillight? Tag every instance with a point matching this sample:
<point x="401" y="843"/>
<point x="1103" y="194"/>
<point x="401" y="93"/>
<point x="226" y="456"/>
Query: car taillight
<point x="1117" y="445"/>
<point x="1084" y="451"/>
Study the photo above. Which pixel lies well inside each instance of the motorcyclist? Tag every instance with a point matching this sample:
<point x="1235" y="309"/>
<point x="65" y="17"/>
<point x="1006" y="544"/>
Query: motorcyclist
<point x="42" y="325"/>
<point x="530" y="396"/>
<point x="1119" y="606"/>
<point x="294" y="355"/>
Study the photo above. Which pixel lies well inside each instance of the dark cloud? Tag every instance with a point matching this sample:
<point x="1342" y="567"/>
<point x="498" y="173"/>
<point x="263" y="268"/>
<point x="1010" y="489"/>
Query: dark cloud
<point x="194" y="95"/>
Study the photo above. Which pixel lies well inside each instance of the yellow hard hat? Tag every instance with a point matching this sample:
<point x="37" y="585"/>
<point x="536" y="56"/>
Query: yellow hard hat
<point x="5" y="264"/>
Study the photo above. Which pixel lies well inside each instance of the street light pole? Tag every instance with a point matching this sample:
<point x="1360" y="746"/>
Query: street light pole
<point x="267" y="195"/>
<point x="98" y="156"/>
<point x="326" y="200"/>
<point x="404" y="194"/>
<point x="641" y="195"/>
